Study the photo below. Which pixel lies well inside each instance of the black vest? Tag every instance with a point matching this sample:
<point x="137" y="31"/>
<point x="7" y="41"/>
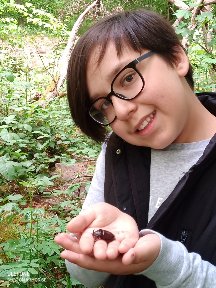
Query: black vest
<point x="188" y="215"/>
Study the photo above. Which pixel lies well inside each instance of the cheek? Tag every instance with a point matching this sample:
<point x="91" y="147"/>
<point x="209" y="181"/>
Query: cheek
<point x="166" y="97"/>
<point x="115" y="128"/>
<point x="171" y="114"/>
<point x="121" y="130"/>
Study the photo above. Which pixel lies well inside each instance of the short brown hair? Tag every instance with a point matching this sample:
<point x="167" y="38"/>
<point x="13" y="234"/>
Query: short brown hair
<point x="139" y="30"/>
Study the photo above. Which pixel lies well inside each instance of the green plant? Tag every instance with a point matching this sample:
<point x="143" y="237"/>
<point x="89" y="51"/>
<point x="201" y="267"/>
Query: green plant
<point x="28" y="255"/>
<point x="197" y="28"/>
<point x="27" y="14"/>
<point x="34" y="135"/>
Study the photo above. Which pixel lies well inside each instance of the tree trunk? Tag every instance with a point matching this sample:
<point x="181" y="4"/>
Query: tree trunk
<point x="64" y="59"/>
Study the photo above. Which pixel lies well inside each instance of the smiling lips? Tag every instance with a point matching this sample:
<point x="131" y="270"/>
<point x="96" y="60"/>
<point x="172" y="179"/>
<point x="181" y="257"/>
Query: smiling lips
<point x="146" y="122"/>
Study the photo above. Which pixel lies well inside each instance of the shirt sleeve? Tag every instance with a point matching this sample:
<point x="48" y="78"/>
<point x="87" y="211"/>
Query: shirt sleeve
<point x="90" y="278"/>
<point x="96" y="190"/>
<point x="175" y="267"/>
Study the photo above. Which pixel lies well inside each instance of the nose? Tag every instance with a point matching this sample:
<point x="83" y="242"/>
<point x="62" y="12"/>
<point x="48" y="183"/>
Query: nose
<point x="124" y="109"/>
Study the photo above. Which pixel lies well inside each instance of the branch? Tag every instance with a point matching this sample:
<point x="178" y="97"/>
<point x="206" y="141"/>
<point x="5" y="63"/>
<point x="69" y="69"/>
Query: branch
<point x="64" y="59"/>
<point x="209" y="2"/>
<point x="180" y="4"/>
<point x="200" y="4"/>
<point x="195" y="12"/>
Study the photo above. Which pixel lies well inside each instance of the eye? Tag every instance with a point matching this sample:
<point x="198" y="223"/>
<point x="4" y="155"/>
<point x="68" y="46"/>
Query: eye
<point x="105" y="105"/>
<point x="102" y="105"/>
<point x="128" y="78"/>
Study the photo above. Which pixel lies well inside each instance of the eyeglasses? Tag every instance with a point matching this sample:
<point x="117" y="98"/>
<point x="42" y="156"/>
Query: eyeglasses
<point x="126" y="85"/>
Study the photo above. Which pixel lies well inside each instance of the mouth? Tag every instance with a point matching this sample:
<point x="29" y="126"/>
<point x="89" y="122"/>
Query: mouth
<point x="145" y="123"/>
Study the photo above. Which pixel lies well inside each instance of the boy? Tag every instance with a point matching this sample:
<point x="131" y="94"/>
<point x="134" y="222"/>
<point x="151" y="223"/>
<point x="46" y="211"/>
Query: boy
<point x="154" y="186"/>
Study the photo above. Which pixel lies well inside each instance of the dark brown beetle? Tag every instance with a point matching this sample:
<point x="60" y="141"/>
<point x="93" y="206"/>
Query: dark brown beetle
<point x="101" y="234"/>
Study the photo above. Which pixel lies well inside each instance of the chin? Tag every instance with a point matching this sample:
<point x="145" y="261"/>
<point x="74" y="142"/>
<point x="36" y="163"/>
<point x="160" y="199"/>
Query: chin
<point x="159" y="147"/>
<point x="159" y="144"/>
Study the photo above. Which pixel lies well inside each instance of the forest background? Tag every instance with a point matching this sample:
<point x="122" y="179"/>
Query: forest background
<point x="46" y="163"/>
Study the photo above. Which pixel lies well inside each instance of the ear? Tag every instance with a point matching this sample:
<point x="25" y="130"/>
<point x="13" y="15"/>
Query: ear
<point x="182" y="62"/>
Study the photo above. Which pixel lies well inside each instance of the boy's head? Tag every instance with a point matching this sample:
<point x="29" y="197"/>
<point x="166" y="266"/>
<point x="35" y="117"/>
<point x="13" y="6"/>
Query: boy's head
<point x="139" y="30"/>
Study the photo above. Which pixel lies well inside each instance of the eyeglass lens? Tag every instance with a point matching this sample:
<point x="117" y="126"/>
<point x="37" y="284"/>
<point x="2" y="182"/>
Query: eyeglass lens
<point x="127" y="85"/>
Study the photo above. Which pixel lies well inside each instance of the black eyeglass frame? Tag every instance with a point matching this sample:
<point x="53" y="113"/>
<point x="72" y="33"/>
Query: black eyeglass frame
<point x="132" y="64"/>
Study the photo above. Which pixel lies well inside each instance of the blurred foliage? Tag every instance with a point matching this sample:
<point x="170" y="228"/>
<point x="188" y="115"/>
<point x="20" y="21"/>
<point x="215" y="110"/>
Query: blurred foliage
<point x="199" y="33"/>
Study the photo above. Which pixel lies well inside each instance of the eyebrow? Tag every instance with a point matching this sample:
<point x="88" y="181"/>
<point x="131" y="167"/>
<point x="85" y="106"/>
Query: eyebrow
<point x="117" y="69"/>
<point x="111" y="76"/>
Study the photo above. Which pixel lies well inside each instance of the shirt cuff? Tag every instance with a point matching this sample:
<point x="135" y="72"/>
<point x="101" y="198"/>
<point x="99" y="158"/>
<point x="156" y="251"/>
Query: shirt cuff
<point x="168" y="265"/>
<point x="88" y="278"/>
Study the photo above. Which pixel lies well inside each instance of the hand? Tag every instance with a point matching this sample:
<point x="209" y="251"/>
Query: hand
<point x="107" y="217"/>
<point x="125" y="255"/>
<point x="135" y="260"/>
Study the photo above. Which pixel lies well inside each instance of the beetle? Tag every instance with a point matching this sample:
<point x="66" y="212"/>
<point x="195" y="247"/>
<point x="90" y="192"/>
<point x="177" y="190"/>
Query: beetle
<point x="105" y="235"/>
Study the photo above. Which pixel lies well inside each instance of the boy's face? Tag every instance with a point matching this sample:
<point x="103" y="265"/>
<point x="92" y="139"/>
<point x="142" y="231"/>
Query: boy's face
<point x="160" y="115"/>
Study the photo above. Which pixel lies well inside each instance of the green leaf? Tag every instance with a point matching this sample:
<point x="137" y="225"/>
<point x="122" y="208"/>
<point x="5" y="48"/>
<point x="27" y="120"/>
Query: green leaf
<point x="205" y="16"/>
<point x="15" y="197"/>
<point x="183" y="13"/>
<point x="210" y="60"/>
<point x="10" y="76"/>
<point x="42" y="180"/>
<point x="32" y="271"/>
<point x="10" y="170"/>
<point x="9" y="119"/>
<point x="27" y="127"/>
<point x="8" y="207"/>
<point x="8" y="136"/>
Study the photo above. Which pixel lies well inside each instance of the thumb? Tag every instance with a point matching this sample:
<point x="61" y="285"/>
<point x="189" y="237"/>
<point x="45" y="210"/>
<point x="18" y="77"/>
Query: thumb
<point x="145" y="251"/>
<point x="82" y="221"/>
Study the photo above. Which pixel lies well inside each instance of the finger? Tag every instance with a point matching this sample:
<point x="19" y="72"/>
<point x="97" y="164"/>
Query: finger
<point x="129" y="257"/>
<point x="89" y="262"/>
<point x="81" y="222"/>
<point x="148" y="247"/>
<point x="112" y="250"/>
<point x="86" y="242"/>
<point x="126" y="244"/>
<point x="100" y="248"/>
<point x="82" y="260"/>
<point x="96" y="215"/>
<point x="68" y="242"/>
<point x="145" y="251"/>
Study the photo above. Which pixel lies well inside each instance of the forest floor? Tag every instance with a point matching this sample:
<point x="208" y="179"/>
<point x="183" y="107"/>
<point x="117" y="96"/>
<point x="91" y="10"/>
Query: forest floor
<point x="79" y="173"/>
